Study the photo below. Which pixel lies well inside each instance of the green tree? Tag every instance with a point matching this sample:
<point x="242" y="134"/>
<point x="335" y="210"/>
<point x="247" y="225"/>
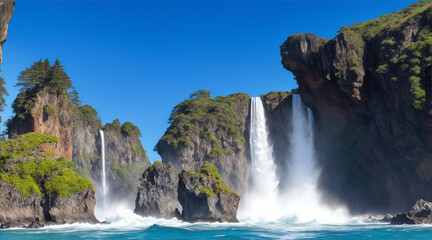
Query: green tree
<point x="199" y="93"/>
<point x="75" y="97"/>
<point x="58" y="78"/>
<point x="3" y="92"/>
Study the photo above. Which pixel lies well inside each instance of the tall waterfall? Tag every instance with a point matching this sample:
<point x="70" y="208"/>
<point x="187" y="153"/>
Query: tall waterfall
<point x="260" y="200"/>
<point x="103" y="180"/>
<point x="300" y="200"/>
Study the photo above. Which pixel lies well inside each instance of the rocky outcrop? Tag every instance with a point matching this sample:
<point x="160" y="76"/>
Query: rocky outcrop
<point x="190" y="196"/>
<point x="214" y="130"/>
<point x="125" y="157"/>
<point x="18" y="210"/>
<point x="37" y="189"/>
<point x="48" y="113"/>
<point x="52" y="113"/>
<point x="369" y="90"/>
<point x="158" y="191"/>
<point x="421" y="213"/>
<point x="205" y="198"/>
<point x="6" y="11"/>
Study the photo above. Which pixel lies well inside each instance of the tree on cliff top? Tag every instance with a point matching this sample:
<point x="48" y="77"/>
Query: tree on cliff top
<point x="42" y="75"/>
<point x="3" y="92"/>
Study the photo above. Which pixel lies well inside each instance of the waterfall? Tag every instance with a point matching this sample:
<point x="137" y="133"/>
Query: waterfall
<point x="260" y="200"/>
<point x="301" y="199"/>
<point x="103" y="180"/>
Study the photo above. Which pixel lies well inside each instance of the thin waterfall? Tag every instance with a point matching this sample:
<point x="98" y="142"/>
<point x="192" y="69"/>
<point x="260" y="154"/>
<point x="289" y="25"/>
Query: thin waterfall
<point x="260" y="200"/>
<point x="104" y="185"/>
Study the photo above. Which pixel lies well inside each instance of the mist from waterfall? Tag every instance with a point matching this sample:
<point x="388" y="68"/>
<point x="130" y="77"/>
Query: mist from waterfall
<point x="260" y="200"/>
<point x="299" y="200"/>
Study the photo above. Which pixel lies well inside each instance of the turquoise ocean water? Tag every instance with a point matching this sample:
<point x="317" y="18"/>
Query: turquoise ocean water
<point x="126" y="225"/>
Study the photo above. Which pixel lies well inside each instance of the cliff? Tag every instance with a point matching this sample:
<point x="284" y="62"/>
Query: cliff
<point x="370" y="91"/>
<point x="6" y="11"/>
<point x="37" y="189"/>
<point x="190" y="196"/>
<point x="214" y="130"/>
<point x="45" y="105"/>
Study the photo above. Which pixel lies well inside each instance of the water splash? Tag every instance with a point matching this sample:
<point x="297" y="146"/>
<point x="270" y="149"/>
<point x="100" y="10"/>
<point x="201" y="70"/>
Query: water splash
<point x="301" y="198"/>
<point x="260" y="200"/>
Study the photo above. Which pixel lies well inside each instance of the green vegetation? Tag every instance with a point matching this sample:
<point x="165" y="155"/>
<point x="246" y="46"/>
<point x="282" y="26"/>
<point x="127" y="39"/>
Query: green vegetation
<point x="128" y="128"/>
<point x="210" y="172"/>
<point x="412" y="59"/>
<point x="201" y="116"/>
<point x="131" y="130"/>
<point x="3" y="92"/>
<point x="27" y="164"/>
<point x="273" y="95"/>
<point x="206" y="190"/>
<point x="373" y="27"/>
<point x="50" y="110"/>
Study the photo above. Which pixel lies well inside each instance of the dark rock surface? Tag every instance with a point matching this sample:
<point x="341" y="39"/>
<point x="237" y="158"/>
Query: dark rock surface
<point x="205" y="198"/>
<point x="369" y="90"/>
<point x="190" y="196"/>
<point x="157" y="192"/>
<point x="35" y="211"/>
<point x="420" y="213"/>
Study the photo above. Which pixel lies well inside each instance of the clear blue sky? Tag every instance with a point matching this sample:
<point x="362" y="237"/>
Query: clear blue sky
<point x="135" y="60"/>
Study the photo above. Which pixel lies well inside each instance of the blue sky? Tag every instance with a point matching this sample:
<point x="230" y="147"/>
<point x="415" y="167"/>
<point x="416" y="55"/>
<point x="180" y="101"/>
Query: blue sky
<point x="135" y="60"/>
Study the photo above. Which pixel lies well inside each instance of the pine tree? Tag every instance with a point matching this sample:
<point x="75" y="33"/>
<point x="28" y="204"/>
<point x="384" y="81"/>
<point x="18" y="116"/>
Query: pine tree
<point x="3" y="92"/>
<point x="75" y="97"/>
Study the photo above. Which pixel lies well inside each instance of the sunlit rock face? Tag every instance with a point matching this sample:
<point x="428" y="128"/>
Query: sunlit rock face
<point x="369" y="90"/>
<point x="6" y="11"/>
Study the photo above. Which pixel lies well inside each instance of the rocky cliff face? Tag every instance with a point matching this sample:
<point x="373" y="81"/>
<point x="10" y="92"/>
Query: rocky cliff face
<point x="125" y="158"/>
<point x="79" y="140"/>
<point x="6" y="11"/>
<point x="190" y="196"/>
<point x="214" y="130"/>
<point x="158" y="192"/>
<point x="370" y="91"/>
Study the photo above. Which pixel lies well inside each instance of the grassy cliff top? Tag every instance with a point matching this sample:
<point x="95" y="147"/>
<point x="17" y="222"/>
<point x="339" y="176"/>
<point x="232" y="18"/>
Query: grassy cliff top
<point x="27" y="163"/>
<point x="208" y="118"/>
<point x="388" y="21"/>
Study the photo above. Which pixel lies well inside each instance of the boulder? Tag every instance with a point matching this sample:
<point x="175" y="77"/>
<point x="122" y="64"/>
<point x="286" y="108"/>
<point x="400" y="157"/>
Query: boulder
<point x="420" y="213"/>
<point x="205" y="198"/>
<point x="157" y="192"/>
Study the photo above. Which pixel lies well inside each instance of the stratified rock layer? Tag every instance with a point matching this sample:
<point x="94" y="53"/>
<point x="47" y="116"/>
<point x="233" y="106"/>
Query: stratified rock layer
<point x="369" y="89"/>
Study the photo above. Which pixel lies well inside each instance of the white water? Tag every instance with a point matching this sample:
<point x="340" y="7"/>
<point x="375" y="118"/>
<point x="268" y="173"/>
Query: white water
<point x="300" y="200"/>
<point x="260" y="200"/>
<point x="103" y="180"/>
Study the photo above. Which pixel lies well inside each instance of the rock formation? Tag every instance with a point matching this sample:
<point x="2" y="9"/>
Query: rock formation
<point x="369" y="89"/>
<point x="158" y="192"/>
<point x="420" y="213"/>
<point x="214" y="130"/>
<point x="37" y="189"/>
<point x="190" y="196"/>
<point x="6" y="11"/>
<point x="205" y="198"/>
<point x="51" y="111"/>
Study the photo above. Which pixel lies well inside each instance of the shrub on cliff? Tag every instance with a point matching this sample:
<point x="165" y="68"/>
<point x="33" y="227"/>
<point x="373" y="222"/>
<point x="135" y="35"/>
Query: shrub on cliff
<point x="215" y="120"/>
<point x="27" y="163"/>
<point x="3" y="92"/>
